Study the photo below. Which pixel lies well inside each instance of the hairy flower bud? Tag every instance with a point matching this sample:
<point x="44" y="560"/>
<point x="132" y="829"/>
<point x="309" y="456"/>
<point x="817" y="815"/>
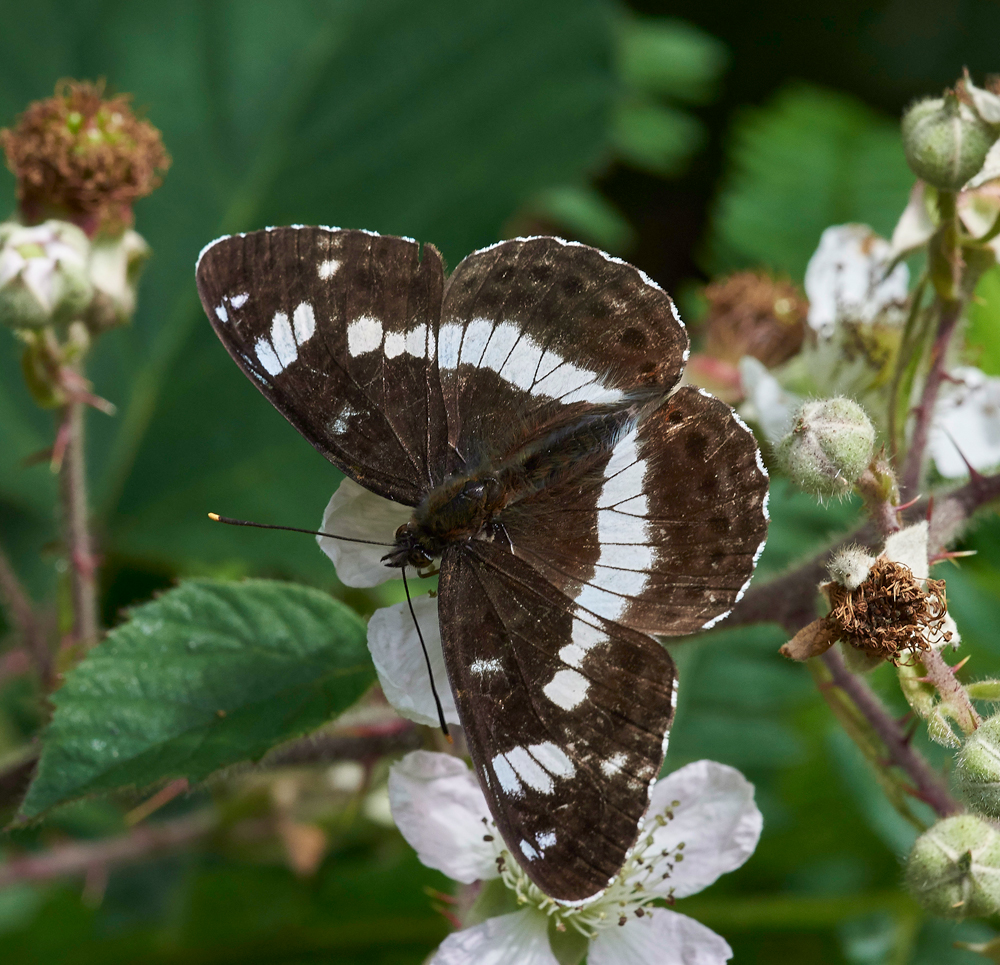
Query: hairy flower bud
<point x="44" y="277"/>
<point x="850" y="567"/>
<point x="945" y="141"/>
<point x="954" y="868"/>
<point x="977" y="768"/>
<point x="830" y="445"/>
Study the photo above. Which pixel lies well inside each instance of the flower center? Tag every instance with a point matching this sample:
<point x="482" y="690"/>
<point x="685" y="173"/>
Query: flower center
<point x="639" y="883"/>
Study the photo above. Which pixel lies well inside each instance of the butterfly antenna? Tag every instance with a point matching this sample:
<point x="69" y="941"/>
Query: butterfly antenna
<point x="291" y="529"/>
<point x="427" y="660"/>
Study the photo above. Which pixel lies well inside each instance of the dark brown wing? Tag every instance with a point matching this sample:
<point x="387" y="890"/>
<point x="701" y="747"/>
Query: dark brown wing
<point x="538" y="330"/>
<point x="566" y="716"/>
<point x="665" y="536"/>
<point x="338" y="330"/>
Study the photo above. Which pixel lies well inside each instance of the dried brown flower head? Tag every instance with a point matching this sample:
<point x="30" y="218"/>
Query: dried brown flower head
<point x="890" y="611"/>
<point x="751" y="313"/>
<point x="82" y="158"/>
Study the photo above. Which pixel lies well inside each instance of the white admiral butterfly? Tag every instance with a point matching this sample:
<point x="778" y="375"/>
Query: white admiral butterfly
<point x="526" y="407"/>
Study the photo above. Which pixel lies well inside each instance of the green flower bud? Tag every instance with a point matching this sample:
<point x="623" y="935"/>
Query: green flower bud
<point x="977" y="768"/>
<point x="954" y="868"/>
<point x="945" y="141"/>
<point x="44" y="275"/>
<point x="831" y="444"/>
<point x="115" y="267"/>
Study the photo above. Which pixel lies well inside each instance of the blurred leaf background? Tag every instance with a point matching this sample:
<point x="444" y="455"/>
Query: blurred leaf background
<point x="692" y="138"/>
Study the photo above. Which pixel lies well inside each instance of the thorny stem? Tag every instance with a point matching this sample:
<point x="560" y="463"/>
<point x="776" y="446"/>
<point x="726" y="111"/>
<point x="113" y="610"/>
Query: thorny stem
<point x="953" y="694"/>
<point x="926" y="783"/>
<point x="951" y="313"/>
<point x="76" y="529"/>
<point x="22" y="612"/>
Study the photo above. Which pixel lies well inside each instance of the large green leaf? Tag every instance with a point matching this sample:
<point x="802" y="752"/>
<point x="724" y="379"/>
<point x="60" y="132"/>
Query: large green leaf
<point x="209" y="674"/>
<point x="437" y="120"/>
<point x="810" y="159"/>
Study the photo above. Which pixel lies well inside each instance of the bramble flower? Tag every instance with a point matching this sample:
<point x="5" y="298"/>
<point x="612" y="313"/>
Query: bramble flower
<point x="353" y="511"/>
<point x="857" y="307"/>
<point x="966" y="427"/>
<point x="44" y="277"/>
<point x="702" y="823"/>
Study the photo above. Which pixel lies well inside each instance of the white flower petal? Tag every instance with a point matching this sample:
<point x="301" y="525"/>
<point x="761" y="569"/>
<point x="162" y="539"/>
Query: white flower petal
<point x="990" y="170"/>
<point x="660" y="937"/>
<point x="439" y="808"/>
<point x="987" y="103"/>
<point x="966" y="423"/>
<point x="766" y="402"/>
<point x="399" y="661"/>
<point x="716" y="820"/>
<point x="909" y="547"/>
<point x="846" y="278"/>
<point x="355" y="512"/>
<point x="915" y="225"/>
<point x="517" y="939"/>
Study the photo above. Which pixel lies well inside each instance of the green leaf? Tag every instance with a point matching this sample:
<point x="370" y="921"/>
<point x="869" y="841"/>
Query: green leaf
<point x="671" y="58"/>
<point x="209" y="674"/>
<point x="587" y="215"/>
<point x="436" y="120"/>
<point x="655" y="138"/>
<point x="810" y="159"/>
<point x="984" y="323"/>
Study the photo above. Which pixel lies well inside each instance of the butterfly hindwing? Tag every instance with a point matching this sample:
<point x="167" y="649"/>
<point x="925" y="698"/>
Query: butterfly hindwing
<point x="565" y="715"/>
<point x="338" y="329"/>
<point x="536" y="330"/>
<point x="665" y="535"/>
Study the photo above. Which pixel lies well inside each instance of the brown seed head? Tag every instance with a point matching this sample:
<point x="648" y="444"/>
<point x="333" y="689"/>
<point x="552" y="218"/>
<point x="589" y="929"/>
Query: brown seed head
<point x="82" y="158"/>
<point x="751" y="313"/>
<point x="890" y="612"/>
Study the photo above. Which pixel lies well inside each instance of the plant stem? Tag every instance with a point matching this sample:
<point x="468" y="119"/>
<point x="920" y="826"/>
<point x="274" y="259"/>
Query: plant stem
<point x="76" y="529"/>
<point x="80" y="857"/>
<point x="926" y="783"/>
<point x="955" y="701"/>
<point x="950" y="314"/>
<point x="22" y="612"/>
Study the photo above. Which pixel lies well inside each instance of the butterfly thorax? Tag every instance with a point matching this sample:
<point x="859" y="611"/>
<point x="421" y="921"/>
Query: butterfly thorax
<point x="461" y="508"/>
<point x="466" y="507"/>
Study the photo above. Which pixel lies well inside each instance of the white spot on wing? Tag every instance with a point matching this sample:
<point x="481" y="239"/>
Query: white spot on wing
<point x="530" y="771"/>
<point x="304" y="320"/>
<point x="449" y="340"/>
<point x="614" y="764"/>
<point x="327" y="269"/>
<point x="364" y="335"/>
<point x="546" y="840"/>
<point x="221" y="313"/>
<point x="265" y="355"/>
<point x="395" y="344"/>
<point x="238" y="301"/>
<point x="481" y="667"/>
<point x="506" y="776"/>
<point x="282" y="339"/>
<point x="553" y="758"/>
<point x="567" y="688"/>
<point x="416" y="342"/>
<point x="711" y="623"/>
<point x="528" y="851"/>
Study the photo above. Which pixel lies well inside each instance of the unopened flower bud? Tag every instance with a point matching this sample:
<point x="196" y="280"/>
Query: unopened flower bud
<point x="44" y="276"/>
<point x="115" y="267"/>
<point x="954" y="868"/>
<point x="945" y="141"/>
<point x="830" y="445"/>
<point x="977" y="768"/>
<point x="850" y="567"/>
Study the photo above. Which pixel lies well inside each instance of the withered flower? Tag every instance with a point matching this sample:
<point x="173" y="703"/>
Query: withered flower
<point x="81" y="158"/>
<point x="885" y="607"/>
<point x="752" y="313"/>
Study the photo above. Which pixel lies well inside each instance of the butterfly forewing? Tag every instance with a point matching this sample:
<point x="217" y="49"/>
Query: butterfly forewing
<point x="665" y="535"/>
<point x="537" y="329"/>
<point x="565" y="715"/>
<point x="338" y="330"/>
